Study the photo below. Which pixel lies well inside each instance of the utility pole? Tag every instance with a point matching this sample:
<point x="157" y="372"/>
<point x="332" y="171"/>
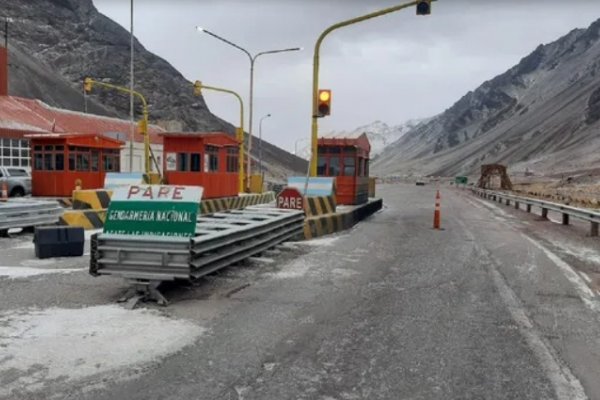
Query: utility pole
<point x="131" y="102"/>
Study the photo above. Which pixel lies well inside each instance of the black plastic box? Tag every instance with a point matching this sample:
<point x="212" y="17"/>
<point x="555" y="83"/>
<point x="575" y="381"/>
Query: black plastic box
<point x="58" y="241"/>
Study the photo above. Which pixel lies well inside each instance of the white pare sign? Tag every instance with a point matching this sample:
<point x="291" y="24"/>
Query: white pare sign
<point x="290" y="198"/>
<point x="186" y="194"/>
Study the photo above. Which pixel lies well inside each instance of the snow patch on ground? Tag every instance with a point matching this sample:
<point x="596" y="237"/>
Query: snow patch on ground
<point x="296" y="269"/>
<point x="24" y="245"/>
<point x="325" y="241"/>
<point x="25" y="272"/>
<point x="581" y="253"/>
<point x="37" y="346"/>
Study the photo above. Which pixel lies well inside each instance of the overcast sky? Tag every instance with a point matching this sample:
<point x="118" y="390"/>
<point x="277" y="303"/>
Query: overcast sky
<point x="393" y="68"/>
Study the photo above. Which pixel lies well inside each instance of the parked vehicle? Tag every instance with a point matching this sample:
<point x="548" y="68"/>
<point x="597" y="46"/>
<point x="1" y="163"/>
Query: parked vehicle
<point x="18" y="180"/>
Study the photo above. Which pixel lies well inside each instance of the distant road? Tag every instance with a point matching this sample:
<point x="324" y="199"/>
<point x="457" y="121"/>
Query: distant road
<point x="495" y="306"/>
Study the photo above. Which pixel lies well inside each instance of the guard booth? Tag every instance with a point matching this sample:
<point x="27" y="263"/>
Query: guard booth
<point x="348" y="161"/>
<point x="62" y="161"/>
<point x="207" y="159"/>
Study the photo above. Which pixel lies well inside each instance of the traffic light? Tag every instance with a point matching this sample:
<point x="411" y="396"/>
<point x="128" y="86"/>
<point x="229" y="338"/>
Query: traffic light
<point x="324" y="101"/>
<point x="424" y="7"/>
<point x="143" y="126"/>
<point x="197" y="88"/>
<point x="87" y="85"/>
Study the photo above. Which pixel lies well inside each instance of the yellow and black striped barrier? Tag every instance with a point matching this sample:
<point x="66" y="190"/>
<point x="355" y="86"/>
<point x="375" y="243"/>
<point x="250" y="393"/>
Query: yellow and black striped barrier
<point x="320" y="225"/>
<point x="87" y="219"/>
<point x="91" y="199"/>
<point x="314" y="206"/>
<point x="235" y="203"/>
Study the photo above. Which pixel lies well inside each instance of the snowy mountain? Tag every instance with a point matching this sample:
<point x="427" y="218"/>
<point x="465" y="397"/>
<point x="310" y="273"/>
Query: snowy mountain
<point x="379" y="133"/>
<point x="542" y="115"/>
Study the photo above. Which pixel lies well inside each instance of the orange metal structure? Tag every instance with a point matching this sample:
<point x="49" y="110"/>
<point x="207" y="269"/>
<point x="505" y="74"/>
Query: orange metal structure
<point x="61" y="160"/>
<point x="348" y="161"/>
<point x="207" y="159"/>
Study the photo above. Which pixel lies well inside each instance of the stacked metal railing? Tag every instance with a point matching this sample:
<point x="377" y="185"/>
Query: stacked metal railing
<point x="24" y="213"/>
<point x="221" y="239"/>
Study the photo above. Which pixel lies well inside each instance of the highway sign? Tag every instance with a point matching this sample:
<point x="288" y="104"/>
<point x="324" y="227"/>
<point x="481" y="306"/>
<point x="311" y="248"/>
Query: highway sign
<point x="154" y="210"/>
<point x="290" y="198"/>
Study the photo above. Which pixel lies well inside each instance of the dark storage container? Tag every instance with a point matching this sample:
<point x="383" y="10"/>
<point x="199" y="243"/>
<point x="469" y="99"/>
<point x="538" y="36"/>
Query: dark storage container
<point x="58" y="241"/>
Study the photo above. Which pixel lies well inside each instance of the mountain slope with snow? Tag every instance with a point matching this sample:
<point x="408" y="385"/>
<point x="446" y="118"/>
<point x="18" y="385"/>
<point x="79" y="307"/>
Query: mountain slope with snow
<point x="542" y="115"/>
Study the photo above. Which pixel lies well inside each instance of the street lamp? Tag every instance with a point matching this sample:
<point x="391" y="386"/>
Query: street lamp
<point x="260" y="143"/>
<point x="252" y="59"/>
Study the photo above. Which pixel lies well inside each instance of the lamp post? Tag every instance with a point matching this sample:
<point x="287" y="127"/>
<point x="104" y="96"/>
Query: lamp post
<point x="315" y="110"/>
<point x="260" y="144"/>
<point x="252" y="59"/>
<point x="239" y="132"/>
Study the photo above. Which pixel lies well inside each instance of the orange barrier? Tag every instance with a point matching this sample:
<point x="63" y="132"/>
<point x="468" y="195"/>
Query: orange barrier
<point x="437" y="214"/>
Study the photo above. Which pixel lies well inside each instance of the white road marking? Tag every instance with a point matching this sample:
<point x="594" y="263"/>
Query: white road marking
<point x="586" y="294"/>
<point x="37" y="346"/>
<point x="566" y="385"/>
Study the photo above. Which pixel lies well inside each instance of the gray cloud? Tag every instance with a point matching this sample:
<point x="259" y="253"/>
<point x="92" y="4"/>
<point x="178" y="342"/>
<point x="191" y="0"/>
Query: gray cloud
<point x="392" y="68"/>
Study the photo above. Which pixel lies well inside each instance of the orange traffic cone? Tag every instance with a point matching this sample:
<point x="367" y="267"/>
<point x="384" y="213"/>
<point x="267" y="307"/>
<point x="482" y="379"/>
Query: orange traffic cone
<point x="437" y="214"/>
<point x="4" y="192"/>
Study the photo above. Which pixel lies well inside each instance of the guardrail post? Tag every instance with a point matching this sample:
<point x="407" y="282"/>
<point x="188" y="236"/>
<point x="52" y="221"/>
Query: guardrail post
<point x="565" y="219"/>
<point x="594" y="230"/>
<point x="517" y="205"/>
<point x="545" y="213"/>
<point x="528" y="208"/>
<point x="508" y="202"/>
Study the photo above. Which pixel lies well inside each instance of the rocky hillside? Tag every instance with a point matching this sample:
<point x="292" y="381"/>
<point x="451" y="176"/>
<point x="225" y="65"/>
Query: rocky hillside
<point x="54" y="44"/>
<point x="542" y="115"/>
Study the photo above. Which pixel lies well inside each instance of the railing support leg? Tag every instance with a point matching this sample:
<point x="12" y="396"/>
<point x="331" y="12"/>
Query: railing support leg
<point x="565" y="219"/>
<point x="528" y="208"/>
<point x="517" y="205"/>
<point x="594" y="230"/>
<point x="507" y="202"/>
<point x="545" y="213"/>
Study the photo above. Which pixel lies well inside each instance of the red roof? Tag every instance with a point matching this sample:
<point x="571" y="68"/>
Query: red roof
<point x="362" y="142"/>
<point x="17" y="113"/>
<point x="79" y="138"/>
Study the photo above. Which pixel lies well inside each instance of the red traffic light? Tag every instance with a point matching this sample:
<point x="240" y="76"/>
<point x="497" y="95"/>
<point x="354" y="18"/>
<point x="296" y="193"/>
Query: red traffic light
<point x="424" y="7"/>
<point x="324" y="102"/>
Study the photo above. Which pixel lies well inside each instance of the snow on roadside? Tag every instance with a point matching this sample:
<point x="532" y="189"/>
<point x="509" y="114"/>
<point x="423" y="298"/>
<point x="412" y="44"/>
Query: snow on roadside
<point x="37" y="346"/>
<point x="324" y="241"/>
<point x="579" y="252"/>
<point x="26" y="272"/>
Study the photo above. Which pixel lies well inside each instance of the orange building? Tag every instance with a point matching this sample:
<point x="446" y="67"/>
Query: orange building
<point x="61" y="160"/>
<point x="208" y="159"/>
<point x="348" y="161"/>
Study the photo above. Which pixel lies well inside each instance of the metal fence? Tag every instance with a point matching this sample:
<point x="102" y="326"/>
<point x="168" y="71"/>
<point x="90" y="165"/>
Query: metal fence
<point x="24" y="213"/>
<point x="221" y="239"/>
<point x="567" y="212"/>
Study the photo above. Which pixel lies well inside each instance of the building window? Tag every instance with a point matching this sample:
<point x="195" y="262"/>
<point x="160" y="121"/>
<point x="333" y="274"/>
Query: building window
<point x="349" y="166"/>
<point x="212" y="153"/>
<point x="182" y="162"/>
<point x="334" y="166"/>
<point x="48" y="158"/>
<point x="111" y="160"/>
<point x="14" y="152"/>
<point x="196" y="162"/>
<point x="232" y="159"/>
<point x="321" y="166"/>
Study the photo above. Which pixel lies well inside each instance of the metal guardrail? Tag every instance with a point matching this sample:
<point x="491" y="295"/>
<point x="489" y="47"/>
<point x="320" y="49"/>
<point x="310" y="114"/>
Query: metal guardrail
<point x="567" y="211"/>
<point x="24" y="213"/>
<point x="221" y="239"/>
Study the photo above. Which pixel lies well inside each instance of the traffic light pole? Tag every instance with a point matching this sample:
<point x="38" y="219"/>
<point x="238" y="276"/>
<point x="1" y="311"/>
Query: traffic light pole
<point x="315" y="111"/>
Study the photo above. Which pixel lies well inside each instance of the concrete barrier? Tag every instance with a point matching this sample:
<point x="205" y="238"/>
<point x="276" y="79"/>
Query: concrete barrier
<point x="315" y="206"/>
<point x="326" y="224"/>
<point x="86" y="219"/>
<point x="91" y="199"/>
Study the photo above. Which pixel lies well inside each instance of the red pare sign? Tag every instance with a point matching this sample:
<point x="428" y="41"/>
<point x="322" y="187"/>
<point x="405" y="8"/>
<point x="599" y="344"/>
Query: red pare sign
<point x="290" y="198"/>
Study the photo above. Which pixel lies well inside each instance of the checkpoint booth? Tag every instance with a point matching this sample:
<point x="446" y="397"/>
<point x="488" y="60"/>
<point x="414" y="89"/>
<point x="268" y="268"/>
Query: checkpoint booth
<point x="207" y="159"/>
<point x="62" y="161"/>
<point x="348" y="161"/>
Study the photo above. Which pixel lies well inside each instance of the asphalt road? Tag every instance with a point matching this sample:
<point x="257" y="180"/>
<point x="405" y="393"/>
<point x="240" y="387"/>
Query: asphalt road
<point x="498" y="305"/>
